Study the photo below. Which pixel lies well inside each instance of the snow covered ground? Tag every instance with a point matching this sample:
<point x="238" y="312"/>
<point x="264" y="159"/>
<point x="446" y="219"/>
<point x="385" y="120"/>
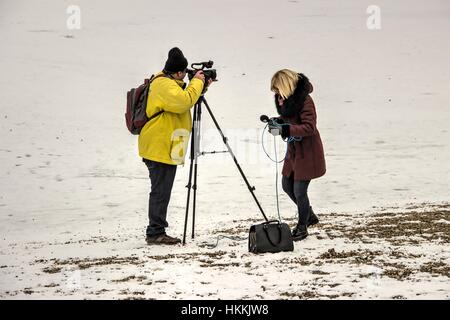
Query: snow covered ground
<point x="73" y="192"/>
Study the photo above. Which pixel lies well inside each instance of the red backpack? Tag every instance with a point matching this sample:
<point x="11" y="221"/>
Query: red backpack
<point x="136" y="112"/>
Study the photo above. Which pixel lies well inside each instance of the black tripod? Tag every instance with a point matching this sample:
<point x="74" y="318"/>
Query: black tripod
<point x="195" y="143"/>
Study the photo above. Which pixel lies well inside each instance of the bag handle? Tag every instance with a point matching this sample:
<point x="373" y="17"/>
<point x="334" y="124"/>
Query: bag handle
<point x="270" y="221"/>
<point x="265" y="226"/>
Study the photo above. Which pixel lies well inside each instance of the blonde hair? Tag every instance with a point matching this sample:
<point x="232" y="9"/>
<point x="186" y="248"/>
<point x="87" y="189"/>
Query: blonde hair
<point x="284" y="82"/>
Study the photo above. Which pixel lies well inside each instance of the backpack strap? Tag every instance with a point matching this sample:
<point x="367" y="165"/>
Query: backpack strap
<point x="155" y="115"/>
<point x="158" y="76"/>
<point x="152" y="78"/>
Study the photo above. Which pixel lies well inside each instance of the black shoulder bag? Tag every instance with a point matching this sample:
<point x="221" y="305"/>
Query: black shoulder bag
<point x="270" y="236"/>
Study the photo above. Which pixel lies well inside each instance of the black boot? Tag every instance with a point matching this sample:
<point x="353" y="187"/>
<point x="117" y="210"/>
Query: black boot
<point x="299" y="232"/>
<point x="312" y="218"/>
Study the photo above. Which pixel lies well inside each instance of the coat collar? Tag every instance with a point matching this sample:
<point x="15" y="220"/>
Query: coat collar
<point x="181" y="83"/>
<point x="294" y="104"/>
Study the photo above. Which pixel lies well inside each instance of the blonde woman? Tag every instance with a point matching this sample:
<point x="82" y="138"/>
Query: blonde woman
<point x="305" y="157"/>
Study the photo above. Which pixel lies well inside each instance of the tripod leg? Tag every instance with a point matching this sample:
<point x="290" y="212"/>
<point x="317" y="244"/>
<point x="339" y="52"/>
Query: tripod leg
<point x="195" y="198"/>
<point x="196" y="143"/>
<point x="187" y="203"/>
<point x="225" y="140"/>
<point x="190" y="178"/>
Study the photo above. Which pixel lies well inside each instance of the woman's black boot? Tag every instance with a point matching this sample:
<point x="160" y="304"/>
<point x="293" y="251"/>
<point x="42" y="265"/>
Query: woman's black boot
<point x="312" y="218"/>
<point x="299" y="232"/>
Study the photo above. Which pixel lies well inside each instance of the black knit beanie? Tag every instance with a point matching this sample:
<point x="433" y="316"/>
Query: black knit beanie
<point x="176" y="61"/>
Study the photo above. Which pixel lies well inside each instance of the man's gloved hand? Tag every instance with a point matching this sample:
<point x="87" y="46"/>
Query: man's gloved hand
<point x="199" y="75"/>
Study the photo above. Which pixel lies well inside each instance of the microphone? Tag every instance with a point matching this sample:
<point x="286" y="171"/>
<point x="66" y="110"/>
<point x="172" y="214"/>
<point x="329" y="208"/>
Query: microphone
<point x="264" y="118"/>
<point x="273" y="121"/>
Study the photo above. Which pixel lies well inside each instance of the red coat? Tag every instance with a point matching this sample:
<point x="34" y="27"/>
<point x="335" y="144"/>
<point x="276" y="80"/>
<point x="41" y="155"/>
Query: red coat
<point x="305" y="158"/>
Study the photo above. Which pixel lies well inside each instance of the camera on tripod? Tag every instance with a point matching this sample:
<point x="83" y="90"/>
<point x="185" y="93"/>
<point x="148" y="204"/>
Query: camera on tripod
<point x="200" y="66"/>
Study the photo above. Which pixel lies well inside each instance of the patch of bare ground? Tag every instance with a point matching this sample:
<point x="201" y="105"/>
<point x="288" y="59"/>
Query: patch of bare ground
<point x="319" y="272"/>
<point x="305" y="295"/>
<point x="52" y="269"/>
<point x="28" y="291"/>
<point x="85" y="263"/>
<point x="190" y="255"/>
<point x="51" y="285"/>
<point x="398" y="228"/>
<point x="438" y="268"/>
<point x="133" y="277"/>
<point x="296" y="261"/>
<point x="353" y="256"/>
<point x="397" y="271"/>
<point x="212" y="264"/>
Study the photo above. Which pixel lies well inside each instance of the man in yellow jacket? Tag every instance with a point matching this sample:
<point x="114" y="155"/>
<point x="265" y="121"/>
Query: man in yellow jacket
<point x="164" y="139"/>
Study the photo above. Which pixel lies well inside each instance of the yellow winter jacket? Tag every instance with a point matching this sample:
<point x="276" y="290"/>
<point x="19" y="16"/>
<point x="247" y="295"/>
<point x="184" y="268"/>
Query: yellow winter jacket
<point x="165" y="138"/>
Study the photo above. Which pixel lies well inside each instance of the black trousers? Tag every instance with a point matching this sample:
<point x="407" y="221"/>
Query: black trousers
<point x="162" y="177"/>
<point x="298" y="192"/>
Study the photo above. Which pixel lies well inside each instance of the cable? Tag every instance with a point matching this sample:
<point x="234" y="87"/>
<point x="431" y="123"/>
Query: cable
<point x="288" y="140"/>
<point x="220" y="237"/>
<point x="264" y="149"/>
<point x="294" y="139"/>
<point x="276" y="176"/>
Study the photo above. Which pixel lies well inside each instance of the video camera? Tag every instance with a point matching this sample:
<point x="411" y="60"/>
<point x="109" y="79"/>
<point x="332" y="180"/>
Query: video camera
<point x="200" y="66"/>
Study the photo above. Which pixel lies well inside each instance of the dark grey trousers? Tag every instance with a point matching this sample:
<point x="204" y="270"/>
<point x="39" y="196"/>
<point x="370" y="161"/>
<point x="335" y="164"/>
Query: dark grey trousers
<point x="298" y="192"/>
<point x="162" y="177"/>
